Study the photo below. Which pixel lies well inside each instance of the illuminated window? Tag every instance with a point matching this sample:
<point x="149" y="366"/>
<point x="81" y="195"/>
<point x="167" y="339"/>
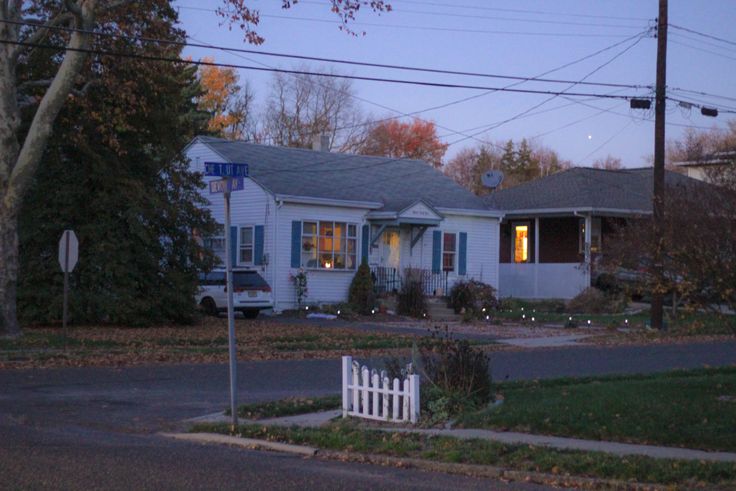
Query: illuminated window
<point x="521" y="243"/>
<point x="329" y="245"/>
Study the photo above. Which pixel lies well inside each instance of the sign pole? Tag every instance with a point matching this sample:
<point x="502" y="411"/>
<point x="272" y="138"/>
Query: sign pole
<point x="66" y="287"/>
<point x="230" y="312"/>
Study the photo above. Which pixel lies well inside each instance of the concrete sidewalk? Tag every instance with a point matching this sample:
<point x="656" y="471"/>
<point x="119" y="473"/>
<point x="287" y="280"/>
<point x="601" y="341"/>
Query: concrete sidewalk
<point x="314" y="420"/>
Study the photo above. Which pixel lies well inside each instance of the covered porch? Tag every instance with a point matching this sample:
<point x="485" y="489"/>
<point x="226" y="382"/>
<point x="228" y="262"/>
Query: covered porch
<point x="551" y="256"/>
<point x="407" y="242"/>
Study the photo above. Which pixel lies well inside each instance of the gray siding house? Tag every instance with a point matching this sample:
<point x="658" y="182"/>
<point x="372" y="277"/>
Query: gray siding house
<point x="325" y="212"/>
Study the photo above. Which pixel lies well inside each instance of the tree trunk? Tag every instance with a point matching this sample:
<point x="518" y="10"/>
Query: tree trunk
<point x="9" y="326"/>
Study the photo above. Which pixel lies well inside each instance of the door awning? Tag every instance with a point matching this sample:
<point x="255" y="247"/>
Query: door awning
<point x="418" y="213"/>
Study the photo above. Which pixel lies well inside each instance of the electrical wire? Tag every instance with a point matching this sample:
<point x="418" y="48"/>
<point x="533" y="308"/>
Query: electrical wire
<point x="703" y="34"/>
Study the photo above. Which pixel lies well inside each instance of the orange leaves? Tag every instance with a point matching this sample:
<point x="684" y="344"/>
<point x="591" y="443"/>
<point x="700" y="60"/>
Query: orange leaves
<point x="415" y="140"/>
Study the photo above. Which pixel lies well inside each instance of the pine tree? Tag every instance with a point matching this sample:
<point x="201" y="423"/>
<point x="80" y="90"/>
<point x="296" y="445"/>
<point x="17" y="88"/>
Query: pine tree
<point x="119" y="179"/>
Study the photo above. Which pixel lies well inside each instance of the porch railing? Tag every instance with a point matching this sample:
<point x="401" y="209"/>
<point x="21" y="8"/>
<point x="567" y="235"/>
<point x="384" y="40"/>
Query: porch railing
<point x="389" y="280"/>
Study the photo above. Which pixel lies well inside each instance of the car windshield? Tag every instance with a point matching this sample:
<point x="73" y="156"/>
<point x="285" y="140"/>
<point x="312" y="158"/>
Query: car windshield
<point x="248" y="279"/>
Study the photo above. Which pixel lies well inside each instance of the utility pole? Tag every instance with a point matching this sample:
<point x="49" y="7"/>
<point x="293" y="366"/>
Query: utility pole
<point x="658" y="192"/>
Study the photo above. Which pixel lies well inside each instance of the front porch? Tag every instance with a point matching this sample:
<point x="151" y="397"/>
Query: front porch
<point x="550" y="256"/>
<point x="390" y="280"/>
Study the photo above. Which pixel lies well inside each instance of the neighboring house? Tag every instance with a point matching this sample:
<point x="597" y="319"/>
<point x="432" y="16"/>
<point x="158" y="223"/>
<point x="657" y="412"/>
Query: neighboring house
<point x="326" y="212"/>
<point x="555" y="226"/>
<point x="709" y="166"/>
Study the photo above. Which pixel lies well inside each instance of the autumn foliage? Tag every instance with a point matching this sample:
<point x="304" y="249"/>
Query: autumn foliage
<point x="414" y="140"/>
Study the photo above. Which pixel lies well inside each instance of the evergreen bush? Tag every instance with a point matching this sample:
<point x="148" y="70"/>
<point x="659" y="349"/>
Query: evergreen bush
<point x="361" y="296"/>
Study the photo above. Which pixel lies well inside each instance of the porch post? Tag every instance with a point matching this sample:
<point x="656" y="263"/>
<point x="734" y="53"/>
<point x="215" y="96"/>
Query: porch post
<point x="536" y="257"/>
<point x="588" y="231"/>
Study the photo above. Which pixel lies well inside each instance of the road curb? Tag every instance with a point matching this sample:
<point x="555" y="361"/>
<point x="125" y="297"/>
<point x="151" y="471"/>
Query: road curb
<point x="237" y="441"/>
<point x="487" y="471"/>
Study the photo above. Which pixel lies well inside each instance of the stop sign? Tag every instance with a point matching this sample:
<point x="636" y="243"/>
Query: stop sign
<point x="68" y="251"/>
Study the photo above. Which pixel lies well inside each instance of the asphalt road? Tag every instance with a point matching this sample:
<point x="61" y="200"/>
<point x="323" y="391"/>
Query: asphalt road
<point x="96" y="427"/>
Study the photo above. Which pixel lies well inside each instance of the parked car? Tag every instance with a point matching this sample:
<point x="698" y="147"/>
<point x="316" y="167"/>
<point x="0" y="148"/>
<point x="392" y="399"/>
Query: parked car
<point x="251" y="293"/>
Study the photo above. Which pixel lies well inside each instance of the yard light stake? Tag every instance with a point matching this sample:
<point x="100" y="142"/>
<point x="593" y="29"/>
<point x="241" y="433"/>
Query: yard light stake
<point x="523" y="316"/>
<point x="588" y="321"/>
<point x="626" y="321"/>
<point x="373" y="311"/>
<point x="488" y="317"/>
<point x="532" y="319"/>
<point x="338" y="312"/>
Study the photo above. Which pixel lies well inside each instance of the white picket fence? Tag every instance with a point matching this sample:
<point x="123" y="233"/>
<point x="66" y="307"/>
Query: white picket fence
<point x="371" y="395"/>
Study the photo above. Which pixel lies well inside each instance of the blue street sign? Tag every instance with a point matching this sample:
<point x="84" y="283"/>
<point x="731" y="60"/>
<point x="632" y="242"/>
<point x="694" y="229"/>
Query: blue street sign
<point x="221" y="185"/>
<point x="225" y="169"/>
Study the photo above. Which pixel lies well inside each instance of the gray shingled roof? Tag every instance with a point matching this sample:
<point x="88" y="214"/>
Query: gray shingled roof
<point x="583" y="187"/>
<point x="397" y="183"/>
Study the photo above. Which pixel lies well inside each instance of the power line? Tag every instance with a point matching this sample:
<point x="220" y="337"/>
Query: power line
<point x="703" y="34"/>
<point x="702" y="49"/>
<point x="523" y="11"/>
<point x="427" y="28"/>
<point x="304" y="72"/>
<point x="697" y="92"/>
<point x="323" y="59"/>
<point x="517" y="116"/>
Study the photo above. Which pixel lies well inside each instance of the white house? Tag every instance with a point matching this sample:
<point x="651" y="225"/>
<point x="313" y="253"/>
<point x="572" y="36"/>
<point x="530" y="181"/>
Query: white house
<point x="326" y="212"/>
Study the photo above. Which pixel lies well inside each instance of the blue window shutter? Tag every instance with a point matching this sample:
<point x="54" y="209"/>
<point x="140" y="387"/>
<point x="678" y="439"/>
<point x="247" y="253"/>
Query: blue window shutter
<point x="436" y="251"/>
<point x="258" y="245"/>
<point x="296" y="243"/>
<point x="234" y="246"/>
<point x="462" y="260"/>
<point x="366" y="240"/>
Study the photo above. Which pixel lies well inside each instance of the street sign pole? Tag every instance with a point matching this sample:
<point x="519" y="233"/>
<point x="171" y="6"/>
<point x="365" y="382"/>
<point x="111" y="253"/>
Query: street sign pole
<point x="232" y="174"/>
<point x="230" y="312"/>
<point x="66" y="286"/>
<point x="68" y="256"/>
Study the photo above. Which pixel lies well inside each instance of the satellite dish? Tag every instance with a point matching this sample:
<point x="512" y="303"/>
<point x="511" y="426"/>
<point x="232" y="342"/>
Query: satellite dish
<point x="492" y="178"/>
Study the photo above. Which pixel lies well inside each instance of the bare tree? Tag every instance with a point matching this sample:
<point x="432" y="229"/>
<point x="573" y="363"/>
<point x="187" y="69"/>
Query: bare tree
<point x="302" y="107"/>
<point x="608" y="163"/>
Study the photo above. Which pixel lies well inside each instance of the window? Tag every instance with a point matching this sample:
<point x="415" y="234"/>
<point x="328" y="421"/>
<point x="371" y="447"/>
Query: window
<point x="595" y="236"/>
<point x="521" y="243"/>
<point x="449" y="251"/>
<point x="329" y="245"/>
<point x="245" y="246"/>
<point x="216" y="242"/>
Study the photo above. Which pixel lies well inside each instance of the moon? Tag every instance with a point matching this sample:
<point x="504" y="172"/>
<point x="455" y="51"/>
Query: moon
<point x="590" y="137"/>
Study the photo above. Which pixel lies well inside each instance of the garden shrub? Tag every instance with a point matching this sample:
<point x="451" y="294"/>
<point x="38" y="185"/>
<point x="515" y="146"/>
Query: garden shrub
<point x="455" y="374"/>
<point x="594" y="301"/>
<point x="361" y="295"/>
<point x="473" y="296"/>
<point x="411" y="298"/>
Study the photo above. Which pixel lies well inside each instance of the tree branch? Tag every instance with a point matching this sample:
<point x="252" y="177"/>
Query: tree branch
<point x="42" y="31"/>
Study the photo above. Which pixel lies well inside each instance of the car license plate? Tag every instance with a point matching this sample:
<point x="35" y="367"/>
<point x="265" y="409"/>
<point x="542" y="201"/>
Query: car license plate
<point x="252" y="294"/>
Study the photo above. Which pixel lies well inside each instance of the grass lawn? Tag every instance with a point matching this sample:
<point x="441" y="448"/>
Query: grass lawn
<point x="288" y="407"/>
<point x="683" y="324"/>
<point x="349" y="437"/>
<point x="203" y="342"/>
<point x="693" y="409"/>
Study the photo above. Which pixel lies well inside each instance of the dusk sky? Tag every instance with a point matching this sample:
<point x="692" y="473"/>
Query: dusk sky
<point x="519" y="38"/>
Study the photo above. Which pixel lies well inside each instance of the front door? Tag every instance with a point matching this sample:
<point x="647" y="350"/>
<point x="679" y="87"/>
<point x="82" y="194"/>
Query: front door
<point x="390" y="248"/>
